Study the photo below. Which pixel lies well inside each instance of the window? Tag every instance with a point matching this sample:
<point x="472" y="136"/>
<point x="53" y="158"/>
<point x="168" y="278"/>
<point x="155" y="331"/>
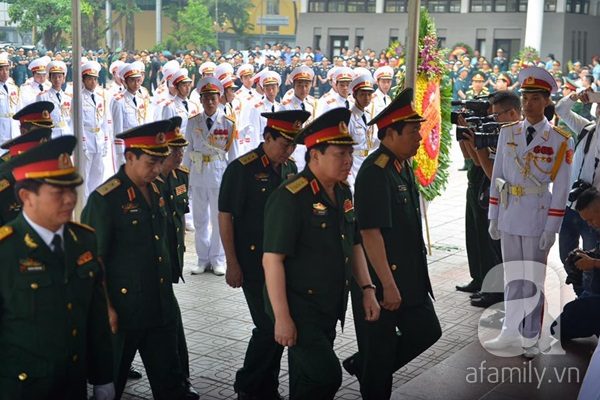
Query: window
<point x="335" y="6"/>
<point x="337" y="43"/>
<point x="578" y="6"/>
<point x="481" y="6"/>
<point x="441" y="5"/>
<point x="315" y="6"/>
<point x="481" y="46"/>
<point x="396" y="6"/>
<point x="272" y="30"/>
<point x="499" y="5"/>
<point x="550" y="5"/>
<point x="272" y="7"/>
<point x="358" y="41"/>
<point x="441" y="42"/>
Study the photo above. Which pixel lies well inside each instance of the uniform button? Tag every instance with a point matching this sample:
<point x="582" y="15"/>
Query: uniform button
<point x="343" y="237"/>
<point x="134" y="222"/>
<point x="405" y="201"/>
<point x="323" y="225"/>
<point x="185" y="200"/>
<point x="177" y="230"/>
<point x="263" y="190"/>
<point x="161" y="280"/>
<point x="124" y="291"/>
<point x="91" y="274"/>
<point x="153" y="216"/>
<point x="310" y="291"/>
<point x="417" y="209"/>
<point x="22" y="376"/>
<point x="74" y="332"/>
<point x="173" y="213"/>
<point x="171" y="197"/>
<point x="347" y="282"/>
<point x="34" y="285"/>
<point x="346" y="260"/>
<point x="394" y="267"/>
<point x="69" y="306"/>
<point x="75" y="358"/>
<point x="178" y="245"/>
<point x="66" y="281"/>
<point x="252" y="247"/>
<point x="159" y="259"/>
<point x="156" y="237"/>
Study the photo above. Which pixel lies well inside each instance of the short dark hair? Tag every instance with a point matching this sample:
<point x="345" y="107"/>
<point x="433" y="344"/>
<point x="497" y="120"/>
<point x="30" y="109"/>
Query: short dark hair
<point x="32" y="185"/>
<point x="398" y="127"/>
<point x="137" y="152"/>
<point x="273" y="132"/>
<point x="506" y="98"/>
<point x="586" y="198"/>
<point x="321" y="147"/>
<point x="589" y="78"/>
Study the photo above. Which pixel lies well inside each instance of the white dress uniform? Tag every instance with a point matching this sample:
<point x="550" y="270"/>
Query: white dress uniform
<point x="296" y="104"/>
<point x="365" y="135"/>
<point x="95" y="138"/>
<point x="30" y="89"/>
<point x="335" y="100"/>
<point x="380" y="101"/>
<point x="61" y="115"/>
<point x="207" y="156"/>
<point x="176" y="106"/>
<point x="529" y="209"/>
<point x="9" y="98"/>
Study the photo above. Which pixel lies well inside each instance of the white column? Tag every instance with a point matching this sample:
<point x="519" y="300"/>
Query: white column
<point x="535" y="22"/>
<point x="464" y="6"/>
<point x="303" y="6"/>
<point x="561" y="6"/>
<point x="108" y="21"/>
<point x="379" y="6"/>
<point x="158" y="21"/>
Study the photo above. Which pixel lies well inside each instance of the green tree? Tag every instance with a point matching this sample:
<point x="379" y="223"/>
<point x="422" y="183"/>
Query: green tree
<point x="193" y="27"/>
<point x="235" y="12"/>
<point x="50" y="18"/>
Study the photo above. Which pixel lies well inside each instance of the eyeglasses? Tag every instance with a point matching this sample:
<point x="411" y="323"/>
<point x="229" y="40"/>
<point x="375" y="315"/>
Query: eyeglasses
<point x="502" y="112"/>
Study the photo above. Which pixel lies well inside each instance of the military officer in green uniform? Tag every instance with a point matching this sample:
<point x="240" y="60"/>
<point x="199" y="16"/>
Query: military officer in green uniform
<point x="174" y="183"/>
<point x="129" y="214"/>
<point x="311" y="251"/>
<point x="246" y="186"/>
<point x="147" y="70"/>
<point x="54" y="327"/>
<point x="10" y="207"/>
<point x="389" y="218"/>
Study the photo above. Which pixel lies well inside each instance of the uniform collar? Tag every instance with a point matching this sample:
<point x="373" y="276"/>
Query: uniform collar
<point x="45" y="234"/>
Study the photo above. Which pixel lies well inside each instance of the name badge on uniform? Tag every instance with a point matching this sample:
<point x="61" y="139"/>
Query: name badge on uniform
<point x="319" y="209"/>
<point x="348" y="206"/>
<point x="402" y="188"/>
<point x="181" y="189"/>
<point x="130" y="208"/>
<point x="84" y="258"/>
<point x="31" y="265"/>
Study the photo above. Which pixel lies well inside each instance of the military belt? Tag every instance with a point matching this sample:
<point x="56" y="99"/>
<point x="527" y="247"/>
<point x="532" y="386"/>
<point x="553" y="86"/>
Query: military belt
<point x="92" y="130"/>
<point x="361" y="153"/>
<point x="61" y="124"/>
<point x="7" y="115"/>
<point x="518" y="190"/>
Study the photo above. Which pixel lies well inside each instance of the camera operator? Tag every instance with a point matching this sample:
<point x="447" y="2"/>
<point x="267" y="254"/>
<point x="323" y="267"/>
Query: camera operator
<point x="506" y="108"/>
<point x="583" y="176"/>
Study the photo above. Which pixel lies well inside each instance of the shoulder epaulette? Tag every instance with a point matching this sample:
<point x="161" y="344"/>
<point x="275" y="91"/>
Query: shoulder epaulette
<point x="286" y="102"/>
<point x="382" y="160"/>
<point x="108" y="186"/>
<point x="194" y="116"/>
<point x="563" y="133"/>
<point x="119" y="96"/>
<point x="84" y="226"/>
<point x="5" y="231"/>
<point x="230" y="118"/>
<point x="297" y="185"/>
<point x="183" y="169"/>
<point x="68" y="94"/>
<point x="260" y="103"/>
<point x="6" y="156"/>
<point x="43" y="92"/>
<point x="168" y="103"/>
<point x="4" y="184"/>
<point x="511" y="124"/>
<point x="330" y="101"/>
<point x="248" y="158"/>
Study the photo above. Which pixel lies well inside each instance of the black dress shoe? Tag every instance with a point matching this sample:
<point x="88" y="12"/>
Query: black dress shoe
<point x="487" y="300"/>
<point x="191" y="393"/>
<point x="475" y="295"/>
<point x="134" y="373"/>
<point x="470" y="287"/>
<point x="349" y="365"/>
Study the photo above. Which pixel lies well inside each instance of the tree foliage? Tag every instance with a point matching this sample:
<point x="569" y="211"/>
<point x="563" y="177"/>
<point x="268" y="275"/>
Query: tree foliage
<point x="234" y="12"/>
<point x="51" y="18"/>
<point x="193" y="27"/>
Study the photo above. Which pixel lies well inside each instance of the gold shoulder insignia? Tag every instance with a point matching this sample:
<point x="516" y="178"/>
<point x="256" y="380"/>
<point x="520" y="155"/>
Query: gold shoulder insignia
<point x="193" y="116"/>
<point x="108" y="186"/>
<point x="230" y="118"/>
<point x="158" y="178"/>
<point x="382" y="160"/>
<point x="285" y="102"/>
<point x="4" y="184"/>
<point x="5" y="231"/>
<point x="297" y="185"/>
<point x="84" y="226"/>
<point x="511" y="124"/>
<point x="563" y="133"/>
<point x="248" y="158"/>
<point x="183" y="169"/>
<point x="6" y="156"/>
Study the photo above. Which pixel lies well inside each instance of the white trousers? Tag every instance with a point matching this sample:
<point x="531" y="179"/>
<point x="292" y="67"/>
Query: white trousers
<point x="205" y="208"/>
<point x="524" y="275"/>
<point x="93" y="167"/>
<point x="590" y="388"/>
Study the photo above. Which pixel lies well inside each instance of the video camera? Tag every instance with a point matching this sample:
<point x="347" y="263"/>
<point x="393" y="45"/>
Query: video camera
<point x="574" y="274"/>
<point x="471" y="108"/>
<point x="486" y="131"/>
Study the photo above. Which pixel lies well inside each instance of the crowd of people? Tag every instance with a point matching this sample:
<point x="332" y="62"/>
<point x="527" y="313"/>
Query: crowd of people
<point x="294" y="175"/>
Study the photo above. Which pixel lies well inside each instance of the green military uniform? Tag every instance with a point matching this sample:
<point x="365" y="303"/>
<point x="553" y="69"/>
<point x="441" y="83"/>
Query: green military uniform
<point x="53" y="317"/>
<point x="387" y="199"/>
<point x="317" y="238"/>
<point x="470" y="94"/>
<point x="147" y="71"/>
<point x="247" y="184"/>
<point x="132" y="241"/>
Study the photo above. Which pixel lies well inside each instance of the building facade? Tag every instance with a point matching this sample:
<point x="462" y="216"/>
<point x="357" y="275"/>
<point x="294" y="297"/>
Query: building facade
<point x="570" y="30"/>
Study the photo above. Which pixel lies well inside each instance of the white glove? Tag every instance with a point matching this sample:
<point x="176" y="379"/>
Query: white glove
<point x="547" y="240"/>
<point x="105" y="148"/>
<point x="493" y="229"/>
<point x="104" y="392"/>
